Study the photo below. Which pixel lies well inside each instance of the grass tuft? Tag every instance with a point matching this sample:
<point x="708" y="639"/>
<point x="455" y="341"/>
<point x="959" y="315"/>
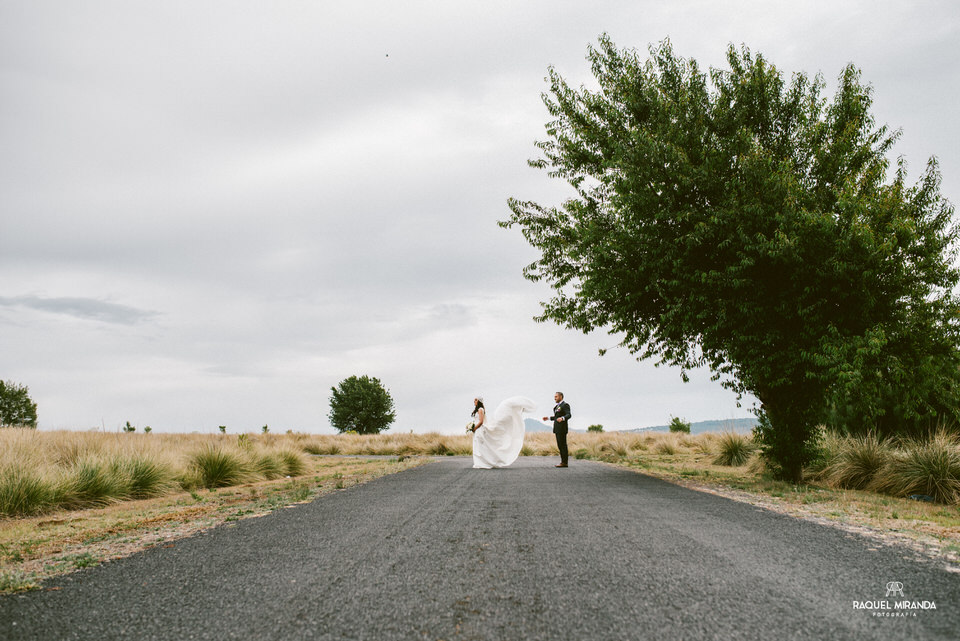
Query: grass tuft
<point x="293" y="462"/>
<point x="23" y="492"/>
<point x="218" y="467"/>
<point x="929" y="468"/>
<point x="268" y="465"/>
<point x="666" y="447"/>
<point x="733" y="449"/>
<point x="147" y="477"/>
<point x="92" y="481"/>
<point x="856" y="460"/>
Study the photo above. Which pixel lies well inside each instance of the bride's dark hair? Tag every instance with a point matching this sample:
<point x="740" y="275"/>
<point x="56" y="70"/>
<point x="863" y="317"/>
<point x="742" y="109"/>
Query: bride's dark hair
<point x="477" y="407"/>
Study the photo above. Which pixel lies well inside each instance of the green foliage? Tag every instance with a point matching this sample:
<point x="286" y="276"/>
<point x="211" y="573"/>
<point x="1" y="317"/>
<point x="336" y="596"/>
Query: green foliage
<point x="857" y="462"/>
<point x="679" y="425"/>
<point x="16" y="407"/>
<point x="147" y="429"/>
<point x="145" y="477"/>
<point x="265" y="429"/>
<point x="129" y="428"/>
<point x="929" y="467"/>
<point x="218" y="467"/>
<point x="733" y="449"/>
<point x="293" y="462"/>
<point x="78" y="561"/>
<point x="17" y="581"/>
<point x="269" y="466"/>
<point x="361" y="404"/>
<point x="223" y="429"/>
<point x="595" y="428"/>
<point x="23" y="492"/>
<point x="739" y="220"/>
<point x="91" y="482"/>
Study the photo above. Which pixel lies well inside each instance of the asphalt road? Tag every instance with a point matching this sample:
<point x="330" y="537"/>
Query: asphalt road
<point x="444" y="551"/>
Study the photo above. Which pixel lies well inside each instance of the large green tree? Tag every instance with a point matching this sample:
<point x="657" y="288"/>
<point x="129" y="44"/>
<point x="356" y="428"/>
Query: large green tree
<point x="361" y="404"/>
<point x="740" y="220"/>
<point x="17" y="409"/>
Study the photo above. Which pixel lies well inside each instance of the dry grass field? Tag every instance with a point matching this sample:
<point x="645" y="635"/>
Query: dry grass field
<point x="73" y="499"/>
<point x="33" y="548"/>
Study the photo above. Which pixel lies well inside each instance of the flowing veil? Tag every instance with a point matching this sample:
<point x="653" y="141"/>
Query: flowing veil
<point x="499" y="440"/>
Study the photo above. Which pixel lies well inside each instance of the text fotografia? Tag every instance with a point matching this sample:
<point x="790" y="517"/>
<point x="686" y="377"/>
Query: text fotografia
<point x="903" y="608"/>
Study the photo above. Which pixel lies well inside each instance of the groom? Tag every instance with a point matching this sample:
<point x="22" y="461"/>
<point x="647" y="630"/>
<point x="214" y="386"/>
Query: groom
<point x="561" y="414"/>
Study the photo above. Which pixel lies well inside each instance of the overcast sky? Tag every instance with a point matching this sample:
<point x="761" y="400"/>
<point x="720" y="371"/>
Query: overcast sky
<point x="212" y="212"/>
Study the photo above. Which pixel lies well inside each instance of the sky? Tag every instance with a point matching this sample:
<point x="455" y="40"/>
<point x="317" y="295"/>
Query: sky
<point x="213" y="212"/>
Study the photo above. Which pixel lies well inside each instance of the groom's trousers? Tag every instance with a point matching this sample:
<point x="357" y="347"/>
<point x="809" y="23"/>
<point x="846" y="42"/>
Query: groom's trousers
<point x="562" y="446"/>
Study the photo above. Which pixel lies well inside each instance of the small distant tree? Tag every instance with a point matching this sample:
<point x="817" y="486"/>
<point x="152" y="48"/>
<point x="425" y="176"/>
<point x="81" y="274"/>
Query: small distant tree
<point x="361" y="404"/>
<point x="595" y="428"/>
<point x="265" y="429"/>
<point x="223" y="429"/>
<point x="679" y="425"/>
<point x="16" y="407"/>
<point x="129" y="428"/>
<point x="147" y="429"/>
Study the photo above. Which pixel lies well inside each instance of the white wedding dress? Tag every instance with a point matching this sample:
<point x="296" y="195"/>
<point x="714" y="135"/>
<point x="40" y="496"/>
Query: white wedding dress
<point x="497" y="443"/>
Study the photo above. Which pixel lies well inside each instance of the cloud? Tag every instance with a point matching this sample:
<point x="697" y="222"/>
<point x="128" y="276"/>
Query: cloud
<point x="247" y="206"/>
<point x="82" y="308"/>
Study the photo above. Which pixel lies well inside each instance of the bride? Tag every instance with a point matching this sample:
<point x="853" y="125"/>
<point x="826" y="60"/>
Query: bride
<point x="497" y="440"/>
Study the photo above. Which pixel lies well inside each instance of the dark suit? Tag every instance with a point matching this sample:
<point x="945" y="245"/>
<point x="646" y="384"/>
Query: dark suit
<point x="562" y="409"/>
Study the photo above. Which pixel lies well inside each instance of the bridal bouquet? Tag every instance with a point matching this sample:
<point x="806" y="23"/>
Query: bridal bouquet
<point x="471" y="426"/>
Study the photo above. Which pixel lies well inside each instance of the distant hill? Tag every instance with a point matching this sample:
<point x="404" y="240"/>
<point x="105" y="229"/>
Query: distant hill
<point x="533" y="425"/>
<point x="742" y="425"/>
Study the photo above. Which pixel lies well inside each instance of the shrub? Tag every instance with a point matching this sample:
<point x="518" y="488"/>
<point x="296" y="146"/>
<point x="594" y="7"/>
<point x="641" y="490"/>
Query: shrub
<point x="268" y="465"/>
<point x="616" y="447"/>
<point x="733" y="449"/>
<point x="929" y="468"/>
<point x="595" y="428"/>
<point x="317" y="447"/>
<point x="406" y="449"/>
<point x="24" y="492"/>
<point x="829" y="443"/>
<point x="704" y="444"/>
<point x="146" y="477"/>
<point x="438" y="448"/>
<point x="91" y="482"/>
<point x="218" y="467"/>
<point x="293" y="463"/>
<point x="856" y="461"/>
<point x="679" y="425"/>
<point x="666" y="447"/>
<point x="666" y="444"/>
